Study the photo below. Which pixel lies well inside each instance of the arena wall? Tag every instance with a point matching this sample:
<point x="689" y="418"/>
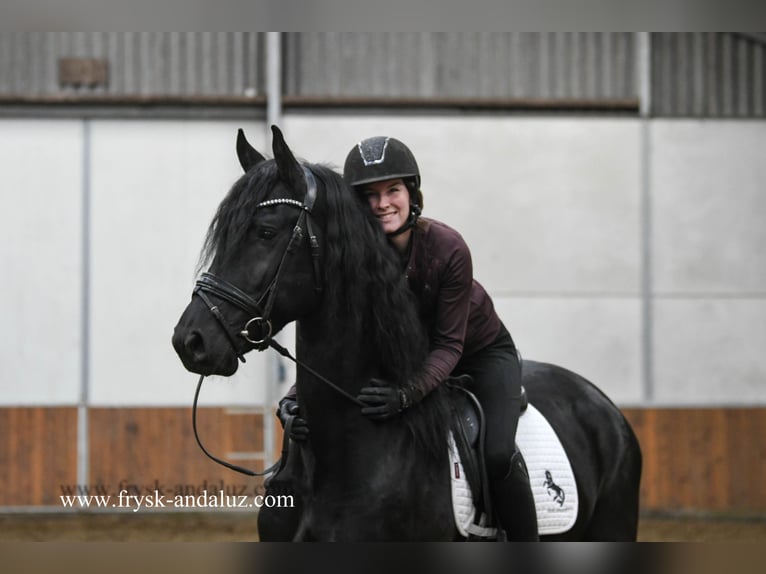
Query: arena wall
<point x="625" y="249"/>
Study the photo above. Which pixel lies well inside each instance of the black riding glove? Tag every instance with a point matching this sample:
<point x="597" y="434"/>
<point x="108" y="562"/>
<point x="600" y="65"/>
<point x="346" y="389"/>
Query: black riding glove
<point x="288" y="407"/>
<point x="382" y="400"/>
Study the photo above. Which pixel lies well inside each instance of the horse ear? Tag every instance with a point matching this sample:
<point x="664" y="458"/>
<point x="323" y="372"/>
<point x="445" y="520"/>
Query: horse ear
<point x="290" y="171"/>
<point x="248" y="156"/>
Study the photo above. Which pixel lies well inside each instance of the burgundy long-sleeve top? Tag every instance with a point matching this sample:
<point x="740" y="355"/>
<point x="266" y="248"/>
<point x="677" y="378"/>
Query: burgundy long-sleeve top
<point x="455" y="308"/>
<point x="457" y="311"/>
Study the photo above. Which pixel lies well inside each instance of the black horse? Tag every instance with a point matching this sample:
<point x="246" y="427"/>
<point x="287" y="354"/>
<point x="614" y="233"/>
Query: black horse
<point x="291" y="242"/>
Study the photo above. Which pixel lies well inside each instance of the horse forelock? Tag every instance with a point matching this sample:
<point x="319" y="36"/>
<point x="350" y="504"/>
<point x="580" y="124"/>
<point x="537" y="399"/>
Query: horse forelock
<point x="235" y="215"/>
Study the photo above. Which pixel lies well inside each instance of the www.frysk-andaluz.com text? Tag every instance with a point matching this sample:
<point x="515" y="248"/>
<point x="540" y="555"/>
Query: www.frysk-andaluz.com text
<point x="156" y="496"/>
<point x="136" y="502"/>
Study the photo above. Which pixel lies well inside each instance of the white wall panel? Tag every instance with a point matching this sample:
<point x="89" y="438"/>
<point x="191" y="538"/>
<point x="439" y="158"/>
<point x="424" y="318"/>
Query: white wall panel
<point x="709" y="206"/>
<point x="709" y="229"/>
<point x="594" y="337"/>
<point x="156" y="185"/>
<point x="41" y="261"/>
<point x="710" y="351"/>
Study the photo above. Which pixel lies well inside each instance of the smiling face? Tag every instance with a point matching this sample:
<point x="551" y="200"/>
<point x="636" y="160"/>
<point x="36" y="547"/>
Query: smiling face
<point x="389" y="201"/>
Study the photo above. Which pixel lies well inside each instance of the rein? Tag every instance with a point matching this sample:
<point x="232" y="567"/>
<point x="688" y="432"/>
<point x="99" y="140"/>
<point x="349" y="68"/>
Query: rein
<point x="260" y="321"/>
<point x="288" y="424"/>
<point x="274" y="467"/>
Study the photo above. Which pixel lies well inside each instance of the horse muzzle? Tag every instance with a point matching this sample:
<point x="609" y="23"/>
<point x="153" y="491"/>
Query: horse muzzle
<point x="197" y="356"/>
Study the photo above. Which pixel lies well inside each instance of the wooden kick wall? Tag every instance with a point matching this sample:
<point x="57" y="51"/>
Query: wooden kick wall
<point x="135" y="448"/>
<point x="707" y="460"/>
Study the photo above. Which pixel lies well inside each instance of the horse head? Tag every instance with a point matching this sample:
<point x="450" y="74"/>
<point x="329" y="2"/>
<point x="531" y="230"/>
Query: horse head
<point x="264" y="248"/>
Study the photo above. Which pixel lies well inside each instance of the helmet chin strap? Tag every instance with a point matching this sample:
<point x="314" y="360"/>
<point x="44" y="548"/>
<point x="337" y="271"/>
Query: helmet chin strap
<point x="409" y="224"/>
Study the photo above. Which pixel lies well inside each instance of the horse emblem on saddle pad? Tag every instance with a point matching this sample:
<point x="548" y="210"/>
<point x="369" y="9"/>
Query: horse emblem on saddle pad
<point x="553" y="489"/>
<point x="556" y="501"/>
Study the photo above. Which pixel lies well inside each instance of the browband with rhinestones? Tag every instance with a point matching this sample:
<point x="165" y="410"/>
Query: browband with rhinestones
<point x="268" y="202"/>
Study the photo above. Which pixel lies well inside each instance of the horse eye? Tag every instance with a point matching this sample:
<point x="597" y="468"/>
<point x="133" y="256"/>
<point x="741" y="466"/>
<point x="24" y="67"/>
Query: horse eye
<point x="266" y="233"/>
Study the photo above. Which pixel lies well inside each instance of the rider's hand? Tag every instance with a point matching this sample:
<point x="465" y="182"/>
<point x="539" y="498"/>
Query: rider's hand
<point x="382" y="400"/>
<point x="288" y="407"/>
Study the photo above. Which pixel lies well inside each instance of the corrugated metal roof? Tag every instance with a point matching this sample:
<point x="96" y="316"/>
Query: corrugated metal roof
<point x="708" y="74"/>
<point x="140" y="63"/>
<point x="513" y="65"/>
<point x="692" y="74"/>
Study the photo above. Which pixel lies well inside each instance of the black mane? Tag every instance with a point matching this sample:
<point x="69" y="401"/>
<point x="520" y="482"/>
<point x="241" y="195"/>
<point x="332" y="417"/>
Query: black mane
<point x="236" y="214"/>
<point x="372" y="310"/>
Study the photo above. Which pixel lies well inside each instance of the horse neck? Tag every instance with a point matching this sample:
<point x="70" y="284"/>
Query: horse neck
<point x="332" y="358"/>
<point x="332" y="416"/>
<point x="348" y="449"/>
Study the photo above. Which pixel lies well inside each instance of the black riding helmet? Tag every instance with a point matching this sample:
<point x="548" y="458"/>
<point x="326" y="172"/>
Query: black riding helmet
<point x="381" y="158"/>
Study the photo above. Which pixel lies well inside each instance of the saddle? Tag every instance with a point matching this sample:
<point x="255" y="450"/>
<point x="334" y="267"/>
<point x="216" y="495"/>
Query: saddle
<point x="469" y="439"/>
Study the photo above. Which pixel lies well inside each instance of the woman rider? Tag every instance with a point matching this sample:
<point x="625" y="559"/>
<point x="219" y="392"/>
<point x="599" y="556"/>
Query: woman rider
<point x="466" y="335"/>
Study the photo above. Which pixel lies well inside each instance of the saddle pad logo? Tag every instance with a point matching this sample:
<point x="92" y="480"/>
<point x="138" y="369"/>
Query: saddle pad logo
<point x="553" y="489"/>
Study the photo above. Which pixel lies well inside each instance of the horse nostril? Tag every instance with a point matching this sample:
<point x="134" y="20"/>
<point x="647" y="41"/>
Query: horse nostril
<point x="195" y="346"/>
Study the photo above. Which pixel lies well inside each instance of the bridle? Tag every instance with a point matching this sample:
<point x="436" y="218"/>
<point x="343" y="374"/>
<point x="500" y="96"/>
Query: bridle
<point x="258" y="329"/>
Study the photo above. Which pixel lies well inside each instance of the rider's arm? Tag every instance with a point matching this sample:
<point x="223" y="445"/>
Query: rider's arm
<point x="447" y="335"/>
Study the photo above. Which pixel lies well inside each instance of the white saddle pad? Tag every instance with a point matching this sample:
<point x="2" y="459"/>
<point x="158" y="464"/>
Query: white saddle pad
<point x="550" y="475"/>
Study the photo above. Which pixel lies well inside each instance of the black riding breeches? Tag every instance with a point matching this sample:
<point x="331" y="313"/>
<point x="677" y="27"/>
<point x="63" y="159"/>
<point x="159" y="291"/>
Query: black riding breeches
<point x="496" y="373"/>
